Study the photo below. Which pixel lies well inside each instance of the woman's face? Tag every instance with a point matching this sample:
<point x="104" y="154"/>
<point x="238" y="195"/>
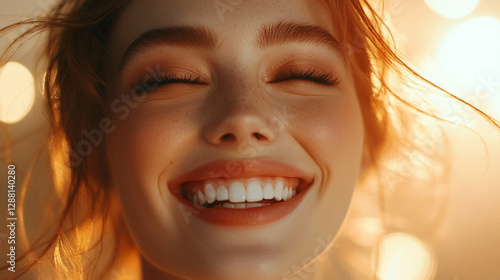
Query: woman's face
<point x="228" y="103"/>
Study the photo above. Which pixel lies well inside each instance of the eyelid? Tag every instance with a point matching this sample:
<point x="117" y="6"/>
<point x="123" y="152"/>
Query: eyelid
<point x="160" y="76"/>
<point x="303" y="74"/>
<point x="157" y="60"/>
<point x="297" y="62"/>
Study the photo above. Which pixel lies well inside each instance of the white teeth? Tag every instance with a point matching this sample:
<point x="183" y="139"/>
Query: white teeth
<point x="228" y="205"/>
<point x="278" y="191"/>
<point x="202" y="197"/>
<point x="210" y="193"/>
<point x="268" y="192"/>
<point x="253" y="205"/>
<point x="242" y="205"/>
<point x="239" y="206"/>
<point x="254" y="191"/>
<point x="285" y="194"/>
<point x="239" y="195"/>
<point x="222" y="193"/>
<point x="237" y="192"/>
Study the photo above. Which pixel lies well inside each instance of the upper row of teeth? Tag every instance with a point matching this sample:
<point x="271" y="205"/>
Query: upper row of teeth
<point x="236" y="192"/>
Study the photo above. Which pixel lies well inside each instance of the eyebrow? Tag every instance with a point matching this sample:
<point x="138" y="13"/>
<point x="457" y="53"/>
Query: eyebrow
<point x="200" y="37"/>
<point x="287" y="32"/>
<point x="193" y="36"/>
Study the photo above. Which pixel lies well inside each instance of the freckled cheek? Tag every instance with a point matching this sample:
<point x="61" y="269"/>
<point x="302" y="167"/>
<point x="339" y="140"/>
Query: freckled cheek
<point x="145" y="143"/>
<point x="332" y="131"/>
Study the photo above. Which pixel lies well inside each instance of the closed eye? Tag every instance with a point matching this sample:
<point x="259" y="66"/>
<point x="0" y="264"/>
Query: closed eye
<point x="160" y="79"/>
<point x="309" y="75"/>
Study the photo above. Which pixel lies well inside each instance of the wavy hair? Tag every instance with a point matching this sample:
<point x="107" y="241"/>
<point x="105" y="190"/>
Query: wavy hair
<point x="77" y="98"/>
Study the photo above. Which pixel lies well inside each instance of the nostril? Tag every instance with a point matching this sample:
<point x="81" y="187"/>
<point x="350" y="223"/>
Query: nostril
<point x="239" y="126"/>
<point x="258" y="136"/>
<point x="232" y="137"/>
<point x="227" y="136"/>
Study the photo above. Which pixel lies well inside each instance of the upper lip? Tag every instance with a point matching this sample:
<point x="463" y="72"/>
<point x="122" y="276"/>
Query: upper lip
<point x="233" y="169"/>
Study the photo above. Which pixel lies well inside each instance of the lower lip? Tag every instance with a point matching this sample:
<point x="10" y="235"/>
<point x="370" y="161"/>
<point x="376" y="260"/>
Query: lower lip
<point x="243" y="217"/>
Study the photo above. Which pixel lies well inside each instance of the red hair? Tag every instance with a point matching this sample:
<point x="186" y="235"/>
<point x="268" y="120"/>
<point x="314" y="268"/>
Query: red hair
<point x="77" y="96"/>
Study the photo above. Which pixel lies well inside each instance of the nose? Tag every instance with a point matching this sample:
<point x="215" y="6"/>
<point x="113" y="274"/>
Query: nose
<point x="239" y="125"/>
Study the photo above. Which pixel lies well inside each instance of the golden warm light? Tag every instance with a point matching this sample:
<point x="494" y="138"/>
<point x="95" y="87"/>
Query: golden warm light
<point x="17" y="92"/>
<point x="469" y="54"/>
<point x="452" y="8"/>
<point x="402" y="256"/>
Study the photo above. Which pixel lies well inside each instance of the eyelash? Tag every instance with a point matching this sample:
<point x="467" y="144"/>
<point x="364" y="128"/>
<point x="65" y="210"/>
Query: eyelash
<point x="160" y="79"/>
<point x="310" y="74"/>
<point x="165" y="79"/>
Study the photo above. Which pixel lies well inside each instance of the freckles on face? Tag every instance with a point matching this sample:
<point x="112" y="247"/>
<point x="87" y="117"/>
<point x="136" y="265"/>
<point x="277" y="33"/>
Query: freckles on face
<point x="148" y="138"/>
<point x="331" y="130"/>
<point x="262" y="88"/>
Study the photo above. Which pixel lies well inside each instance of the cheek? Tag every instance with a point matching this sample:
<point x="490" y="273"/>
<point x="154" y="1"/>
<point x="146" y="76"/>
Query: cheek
<point x="148" y="139"/>
<point x="331" y="130"/>
<point x="144" y="145"/>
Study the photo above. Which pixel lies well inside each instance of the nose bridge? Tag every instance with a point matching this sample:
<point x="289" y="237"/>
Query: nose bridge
<point x="241" y="113"/>
<point x="244" y="97"/>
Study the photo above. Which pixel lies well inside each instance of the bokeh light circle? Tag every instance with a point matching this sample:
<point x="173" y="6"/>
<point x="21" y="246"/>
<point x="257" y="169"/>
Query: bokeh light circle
<point x="470" y="54"/>
<point x="402" y="256"/>
<point x="452" y="8"/>
<point x="17" y="92"/>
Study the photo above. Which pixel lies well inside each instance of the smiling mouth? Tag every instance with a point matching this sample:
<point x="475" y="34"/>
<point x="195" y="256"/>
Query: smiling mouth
<point x="247" y="192"/>
<point x="240" y="193"/>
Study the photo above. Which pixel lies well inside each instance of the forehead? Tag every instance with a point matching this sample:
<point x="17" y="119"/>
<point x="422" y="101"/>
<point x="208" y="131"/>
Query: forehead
<point x="231" y="20"/>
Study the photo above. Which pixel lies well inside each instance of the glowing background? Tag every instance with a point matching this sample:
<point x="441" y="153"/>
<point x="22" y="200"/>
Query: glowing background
<point x="456" y="43"/>
<point x="17" y="92"/>
<point x="452" y="8"/>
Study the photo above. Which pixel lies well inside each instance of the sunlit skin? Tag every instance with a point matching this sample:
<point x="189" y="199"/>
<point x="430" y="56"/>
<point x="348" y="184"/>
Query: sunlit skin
<point x="241" y="108"/>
